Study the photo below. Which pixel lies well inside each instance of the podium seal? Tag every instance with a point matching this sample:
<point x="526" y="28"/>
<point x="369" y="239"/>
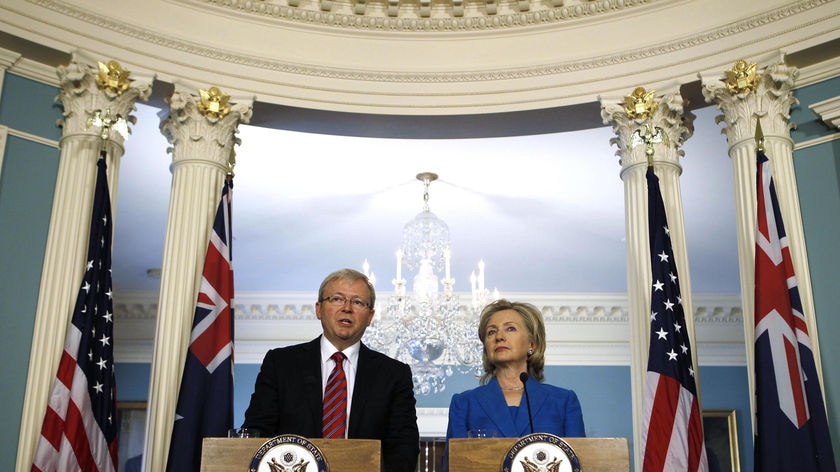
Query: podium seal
<point x="541" y="452"/>
<point x="288" y="453"/>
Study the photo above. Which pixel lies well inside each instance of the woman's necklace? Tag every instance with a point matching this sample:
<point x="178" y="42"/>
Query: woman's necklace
<point x="509" y="389"/>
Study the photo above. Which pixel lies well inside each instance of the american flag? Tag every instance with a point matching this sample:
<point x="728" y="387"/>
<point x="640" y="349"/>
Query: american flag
<point x="79" y="432"/>
<point x="672" y="436"/>
<point x="791" y="427"/>
<point x="205" y="401"/>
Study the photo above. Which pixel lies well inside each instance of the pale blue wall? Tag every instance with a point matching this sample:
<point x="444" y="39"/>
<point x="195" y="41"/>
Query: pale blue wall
<point x="818" y="179"/>
<point x="26" y="189"/>
<point x="27" y="181"/>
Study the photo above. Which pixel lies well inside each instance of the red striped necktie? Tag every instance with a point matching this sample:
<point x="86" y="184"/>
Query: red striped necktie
<point x="335" y="401"/>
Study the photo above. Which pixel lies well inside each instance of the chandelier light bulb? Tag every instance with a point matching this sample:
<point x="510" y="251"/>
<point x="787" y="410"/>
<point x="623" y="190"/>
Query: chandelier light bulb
<point x="427" y="328"/>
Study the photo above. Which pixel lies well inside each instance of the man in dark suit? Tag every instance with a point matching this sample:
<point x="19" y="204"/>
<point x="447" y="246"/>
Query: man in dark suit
<point x="288" y="394"/>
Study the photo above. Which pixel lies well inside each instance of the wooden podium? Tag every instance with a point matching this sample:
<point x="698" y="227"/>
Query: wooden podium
<point x="486" y="455"/>
<point x="343" y="455"/>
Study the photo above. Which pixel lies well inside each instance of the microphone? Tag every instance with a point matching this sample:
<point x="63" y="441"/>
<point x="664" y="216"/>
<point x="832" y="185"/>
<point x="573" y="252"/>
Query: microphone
<point x="524" y="378"/>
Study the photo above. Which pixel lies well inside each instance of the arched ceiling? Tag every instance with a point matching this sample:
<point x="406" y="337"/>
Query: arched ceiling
<point x="357" y="56"/>
<point x="545" y="211"/>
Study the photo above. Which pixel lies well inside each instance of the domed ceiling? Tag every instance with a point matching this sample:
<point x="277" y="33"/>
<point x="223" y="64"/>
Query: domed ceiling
<point x="353" y="98"/>
<point x="421" y="57"/>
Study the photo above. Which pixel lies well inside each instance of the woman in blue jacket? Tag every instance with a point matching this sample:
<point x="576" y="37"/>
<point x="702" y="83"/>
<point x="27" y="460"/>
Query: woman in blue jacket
<point x="513" y="335"/>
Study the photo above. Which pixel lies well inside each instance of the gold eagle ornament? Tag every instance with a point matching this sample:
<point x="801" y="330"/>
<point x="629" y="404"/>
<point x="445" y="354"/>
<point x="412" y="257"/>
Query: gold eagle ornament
<point x="214" y="104"/>
<point x="640" y="103"/>
<point x="112" y="78"/>
<point x="742" y="78"/>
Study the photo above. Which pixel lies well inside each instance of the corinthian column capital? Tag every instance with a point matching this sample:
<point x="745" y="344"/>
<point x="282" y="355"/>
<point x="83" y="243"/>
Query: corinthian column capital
<point x="104" y="87"/>
<point x="204" y="125"/>
<point x="745" y="92"/>
<point x="648" y="127"/>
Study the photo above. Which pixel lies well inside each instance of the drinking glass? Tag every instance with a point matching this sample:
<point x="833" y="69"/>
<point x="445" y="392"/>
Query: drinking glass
<point x="482" y="433"/>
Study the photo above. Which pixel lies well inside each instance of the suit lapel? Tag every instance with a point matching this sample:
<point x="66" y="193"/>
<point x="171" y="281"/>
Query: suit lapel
<point x="312" y="379"/>
<point x="366" y="377"/>
<point x="494" y="406"/>
<point x="537" y="396"/>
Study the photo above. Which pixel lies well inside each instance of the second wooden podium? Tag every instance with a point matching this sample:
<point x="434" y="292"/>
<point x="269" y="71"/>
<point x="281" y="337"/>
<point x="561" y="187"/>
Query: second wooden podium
<point x="486" y="455"/>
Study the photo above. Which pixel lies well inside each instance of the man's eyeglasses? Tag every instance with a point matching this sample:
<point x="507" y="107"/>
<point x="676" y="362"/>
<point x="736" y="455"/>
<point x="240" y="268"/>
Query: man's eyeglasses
<point x="339" y="300"/>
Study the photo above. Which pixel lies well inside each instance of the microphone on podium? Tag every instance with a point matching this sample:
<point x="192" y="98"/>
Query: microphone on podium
<point x="524" y="378"/>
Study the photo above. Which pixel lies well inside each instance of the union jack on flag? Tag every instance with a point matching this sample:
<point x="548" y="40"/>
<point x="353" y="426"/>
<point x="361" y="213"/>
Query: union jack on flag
<point x="205" y="401"/>
<point x="672" y="430"/>
<point x="791" y="427"/>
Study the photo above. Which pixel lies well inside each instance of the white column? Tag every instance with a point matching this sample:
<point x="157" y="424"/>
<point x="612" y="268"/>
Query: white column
<point x="202" y="146"/>
<point x="669" y="117"/>
<point x="771" y="100"/>
<point x="66" y="248"/>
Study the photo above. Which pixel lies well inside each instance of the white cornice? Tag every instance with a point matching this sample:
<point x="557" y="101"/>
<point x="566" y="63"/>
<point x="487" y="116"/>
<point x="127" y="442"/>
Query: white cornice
<point x="508" y="15"/>
<point x="828" y="111"/>
<point x="36" y="71"/>
<point x="583" y="329"/>
<point x="317" y="60"/>
<point x="567" y="307"/>
<point x="8" y="58"/>
<point x="816" y="141"/>
<point x="432" y="422"/>
<point x="14" y="62"/>
<point x="175" y="41"/>
<point x="818" y="72"/>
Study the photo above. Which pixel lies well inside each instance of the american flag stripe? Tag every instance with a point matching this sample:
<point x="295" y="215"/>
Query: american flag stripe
<point x="677" y="408"/>
<point x="672" y="429"/>
<point x="79" y="432"/>
<point x="661" y="413"/>
<point x="67" y="421"/>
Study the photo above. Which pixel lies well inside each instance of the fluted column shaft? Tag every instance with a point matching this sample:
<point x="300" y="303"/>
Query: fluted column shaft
<point x="202" y="147"/>
<point x="771" y="101"/>
<point x="67" y="238"/>
<point x="677" y="126"/>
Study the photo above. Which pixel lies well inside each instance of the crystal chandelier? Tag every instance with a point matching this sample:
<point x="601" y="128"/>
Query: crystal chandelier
<point x="427" y="328"/>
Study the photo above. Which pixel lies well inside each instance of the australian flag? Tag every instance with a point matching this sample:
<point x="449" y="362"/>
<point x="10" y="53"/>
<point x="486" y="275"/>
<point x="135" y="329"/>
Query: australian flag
<point x="791" y="427"/>
<point x="205" y="401"/>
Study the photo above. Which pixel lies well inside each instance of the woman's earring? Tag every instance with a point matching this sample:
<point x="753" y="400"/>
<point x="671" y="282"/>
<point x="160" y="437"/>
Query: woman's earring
<point x="530" y="352"/>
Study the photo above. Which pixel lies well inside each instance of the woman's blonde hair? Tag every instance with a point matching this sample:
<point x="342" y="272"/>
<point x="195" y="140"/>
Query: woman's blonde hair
<point x="534" y="324"/>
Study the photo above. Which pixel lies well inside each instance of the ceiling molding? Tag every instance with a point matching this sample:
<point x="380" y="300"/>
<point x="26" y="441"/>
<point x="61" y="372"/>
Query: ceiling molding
<point x="8" y="58"/>
<point x="432" y="422"/>
<point x="390" y="71"/>
<point x="816" y="141"/>
<point x="555" y="307"/>
<point x="583" y="329"/>
<point x="823" y="70"/>
<point x="36" y="71"/>
<point x="409" y="15"/>
<point x="828" y="111"/>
